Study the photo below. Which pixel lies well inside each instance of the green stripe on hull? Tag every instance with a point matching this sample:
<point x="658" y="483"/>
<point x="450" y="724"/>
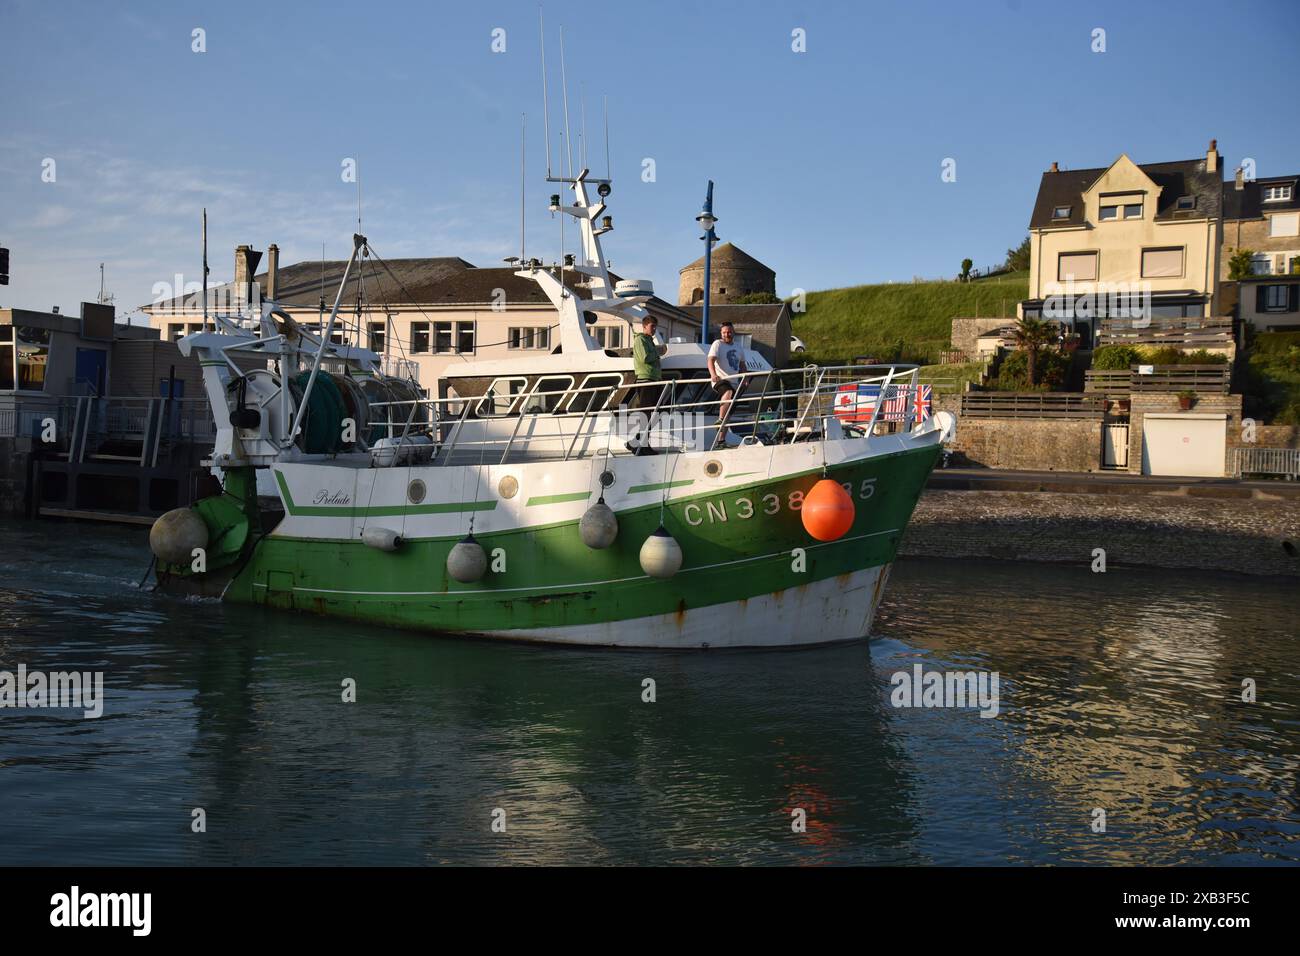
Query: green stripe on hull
<point x="377" y="511"/>
<point x="558" y="499"/>
<point x="737" y="544"/>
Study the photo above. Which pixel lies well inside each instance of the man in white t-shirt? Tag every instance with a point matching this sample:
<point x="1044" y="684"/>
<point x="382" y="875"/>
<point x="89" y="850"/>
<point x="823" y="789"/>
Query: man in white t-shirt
<point x="726" y="363"/>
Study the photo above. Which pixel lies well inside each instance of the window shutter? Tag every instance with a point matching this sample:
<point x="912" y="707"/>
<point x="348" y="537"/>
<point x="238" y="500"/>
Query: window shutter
<point x="1293" y="302"/>
<point x="1260" y="299"/>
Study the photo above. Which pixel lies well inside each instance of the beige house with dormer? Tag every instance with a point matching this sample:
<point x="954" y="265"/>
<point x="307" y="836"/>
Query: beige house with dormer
<point x="1105" y="242"/>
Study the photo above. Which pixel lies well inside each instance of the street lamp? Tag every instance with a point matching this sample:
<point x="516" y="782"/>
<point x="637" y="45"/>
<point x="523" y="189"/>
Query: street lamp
<point x="707" y="221"/>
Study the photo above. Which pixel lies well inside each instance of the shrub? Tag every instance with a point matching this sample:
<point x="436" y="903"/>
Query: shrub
<point x="1051" y="366"/>
<point x="1113" y="357"/>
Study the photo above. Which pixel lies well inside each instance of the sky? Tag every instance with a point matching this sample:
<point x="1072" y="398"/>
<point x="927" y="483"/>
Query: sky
<point x="829" y="162"/>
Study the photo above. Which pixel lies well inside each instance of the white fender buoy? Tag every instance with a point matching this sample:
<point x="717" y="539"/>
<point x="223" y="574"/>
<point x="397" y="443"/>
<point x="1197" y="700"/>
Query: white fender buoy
<point x="382" y="539"/>
<point x="661" y="555"/>
<point x="176" y="534"/>
<point x="599" y="526"/>
<point x="467" y="561"/>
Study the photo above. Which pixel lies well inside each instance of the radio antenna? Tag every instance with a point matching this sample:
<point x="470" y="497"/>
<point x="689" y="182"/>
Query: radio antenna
<point x="564" y="84"/>
<point x="582" y="135"/>
<point x="546" y="111"/>
<point x="607" y="176"/>
<point x="205" y="269"/>
<point x="523" y="205"/>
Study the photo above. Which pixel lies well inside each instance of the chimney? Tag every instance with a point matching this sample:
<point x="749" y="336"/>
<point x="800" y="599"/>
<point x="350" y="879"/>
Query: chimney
<point x="1212" y="157"/>
<point x="246" y="260"/>
<point x="272" y="270"/>
<point x="1053" y="169"/>
<point x="1239" y="181"/>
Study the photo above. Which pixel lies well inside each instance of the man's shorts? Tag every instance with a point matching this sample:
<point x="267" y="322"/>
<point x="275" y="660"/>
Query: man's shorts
<point x="722" y="386"/>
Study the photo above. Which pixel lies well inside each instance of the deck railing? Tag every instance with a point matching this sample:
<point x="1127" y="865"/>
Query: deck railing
<point x="768" y="407"/>
<point x="1197" y="332"/>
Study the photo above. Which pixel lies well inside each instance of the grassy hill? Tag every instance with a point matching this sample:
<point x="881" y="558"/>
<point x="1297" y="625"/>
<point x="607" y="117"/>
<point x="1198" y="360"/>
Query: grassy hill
<point x="901" y="321"/>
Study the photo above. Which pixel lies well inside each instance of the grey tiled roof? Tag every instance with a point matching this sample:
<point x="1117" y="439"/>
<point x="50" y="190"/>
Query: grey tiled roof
<point x="1186" y="177"/>
<point x="1248" y="202"/>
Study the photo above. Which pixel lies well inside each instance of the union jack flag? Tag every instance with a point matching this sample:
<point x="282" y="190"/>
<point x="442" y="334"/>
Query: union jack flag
<point x="923" y="404"/>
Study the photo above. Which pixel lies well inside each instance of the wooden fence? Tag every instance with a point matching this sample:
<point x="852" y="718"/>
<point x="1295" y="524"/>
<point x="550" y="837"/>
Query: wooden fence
<point x="1032" y="405"/>
<point x="1210" y="379"/>
<point x="1211" y="332"/>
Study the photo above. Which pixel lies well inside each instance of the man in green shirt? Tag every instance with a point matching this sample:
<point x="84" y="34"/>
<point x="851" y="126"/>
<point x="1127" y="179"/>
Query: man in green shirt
<point x="645" y="364"/>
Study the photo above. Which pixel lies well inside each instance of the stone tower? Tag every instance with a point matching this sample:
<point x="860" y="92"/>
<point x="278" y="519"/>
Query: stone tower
<point x="733" y="273"/>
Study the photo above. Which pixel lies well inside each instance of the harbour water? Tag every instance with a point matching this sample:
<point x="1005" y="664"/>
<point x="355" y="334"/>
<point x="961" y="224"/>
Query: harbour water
<point x="1119" y="692"/>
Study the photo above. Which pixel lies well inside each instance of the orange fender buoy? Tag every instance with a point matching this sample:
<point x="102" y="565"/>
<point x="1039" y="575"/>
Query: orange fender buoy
<point x="827" y="511"/>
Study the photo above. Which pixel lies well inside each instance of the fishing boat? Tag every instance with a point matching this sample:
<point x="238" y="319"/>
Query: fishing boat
<point x="554" y="498"/>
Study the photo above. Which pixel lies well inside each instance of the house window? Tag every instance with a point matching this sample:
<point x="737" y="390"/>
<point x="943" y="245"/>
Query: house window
<point x="1276" y="297"/>
<point x="1186" y="202"/>
<point x="1061" y="212"/>
<point x="442" y="334"/>
<point x="1261" y="265"/>
<point x="1282" y="225"/>
<point x="194" y="328"/>
<point x="1131" y="210"/>
<point x="377" y="337"/>
<point x="1277" y="193"/>
<point x="465" y="337"/>
<point x="419" y="337"/>
<point x="32" y="357"/>
<point x="1077" y="266"/>
<point x="1162" y="263"/>
<point x="6" y="357"/>
<point x="528" y="338"/>
<point x="175" y="331"/>
<point x="609" y="336"/>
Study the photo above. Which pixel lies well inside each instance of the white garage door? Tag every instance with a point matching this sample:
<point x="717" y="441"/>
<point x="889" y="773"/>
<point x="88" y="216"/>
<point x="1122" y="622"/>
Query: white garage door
<point x="1189" y="445"/>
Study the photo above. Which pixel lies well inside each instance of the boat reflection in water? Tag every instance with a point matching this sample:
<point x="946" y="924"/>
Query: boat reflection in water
<point x="1119" y="692"/>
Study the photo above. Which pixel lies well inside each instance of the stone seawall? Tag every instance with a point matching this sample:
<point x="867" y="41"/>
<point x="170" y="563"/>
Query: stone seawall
<point x="1257" y="535"/>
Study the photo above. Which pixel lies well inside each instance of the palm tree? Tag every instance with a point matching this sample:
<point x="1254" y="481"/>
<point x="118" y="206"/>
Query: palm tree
<point x="1032" y="335"/>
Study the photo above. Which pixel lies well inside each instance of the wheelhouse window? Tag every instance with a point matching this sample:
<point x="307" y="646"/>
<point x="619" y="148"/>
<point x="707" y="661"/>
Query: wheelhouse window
<point x="419" y="337"/>
<point x="1162" y="263"/>
<point x="1277" y="193"/>
<point x="501" y="396"/>
<point x="1077" y="266"/>
<point x="595" y="393"/>
<point x="547" y="394"/>
<point x="608" y="336"/>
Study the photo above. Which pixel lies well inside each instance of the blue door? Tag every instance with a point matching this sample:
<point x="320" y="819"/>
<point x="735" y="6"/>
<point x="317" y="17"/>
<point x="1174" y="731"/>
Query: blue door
<point x="92" y="371"/>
